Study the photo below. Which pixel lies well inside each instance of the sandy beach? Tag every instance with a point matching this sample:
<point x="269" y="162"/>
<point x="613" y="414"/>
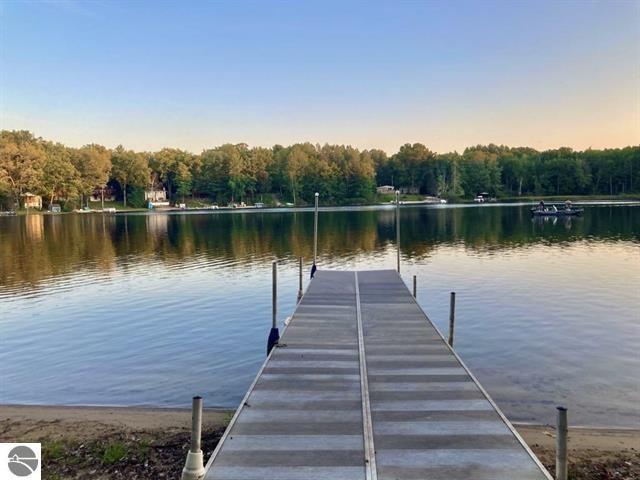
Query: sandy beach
<point x="149" y="443"/>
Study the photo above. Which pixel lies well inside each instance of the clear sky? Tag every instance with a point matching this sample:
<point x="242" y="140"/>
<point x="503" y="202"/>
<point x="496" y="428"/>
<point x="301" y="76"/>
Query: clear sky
<point x="371" y="74"/>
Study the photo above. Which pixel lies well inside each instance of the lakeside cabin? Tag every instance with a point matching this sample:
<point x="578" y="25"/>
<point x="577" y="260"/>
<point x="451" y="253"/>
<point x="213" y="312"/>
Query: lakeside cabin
<point x="30" y="200"/>
<point x="98" y="193"/>
<point x="156" y="198"/>
<point x="385" y="189"/>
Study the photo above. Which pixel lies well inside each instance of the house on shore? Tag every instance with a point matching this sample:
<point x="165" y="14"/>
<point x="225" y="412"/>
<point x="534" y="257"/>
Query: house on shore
<point x="156" y="198"/>
<point x="30" y="200"/>
<point x="108" y="192"/>
<point x="385" y="189"/>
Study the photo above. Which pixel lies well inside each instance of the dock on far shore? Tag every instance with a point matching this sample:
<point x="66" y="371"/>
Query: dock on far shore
<point x="362" y="386"/>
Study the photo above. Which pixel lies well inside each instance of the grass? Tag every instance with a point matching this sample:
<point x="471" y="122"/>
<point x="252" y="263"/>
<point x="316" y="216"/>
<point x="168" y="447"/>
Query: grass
<point x="196" y="202"/>
<point x="390" y="197"/>
<point x="227" y="418"/>
<point x="54" y="450"/>
<point x="114" y="452"/>
<point x="143" y="450"/>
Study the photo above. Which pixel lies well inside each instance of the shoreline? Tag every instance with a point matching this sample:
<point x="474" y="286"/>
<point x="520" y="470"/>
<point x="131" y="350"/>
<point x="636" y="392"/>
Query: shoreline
<point x="106" y="413"/>
<point x="151" y="442"/>
<point x="576" y="199"/>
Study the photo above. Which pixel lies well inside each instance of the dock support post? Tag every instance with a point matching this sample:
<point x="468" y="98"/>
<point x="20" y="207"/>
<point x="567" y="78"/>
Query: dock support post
<point x="415" y="286"/>
<point x="398" y="229"/>
<point x="315" y="236"/>
<point x="562" y="469"/>
<point x="274" y="334"/>
<point x="452" y="317"/>
<point x="194" y="466"/>
<point x="299" y="280"/>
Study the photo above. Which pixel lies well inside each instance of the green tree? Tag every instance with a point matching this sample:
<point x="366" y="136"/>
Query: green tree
<point x="166" y="164"/>
<point x="22" y="158"/>
<point x="129" y="169"/>
<point x="93" y="163"/>
<point x="60" y="178"/>
<point x="183" y="180"/>
<point x="239" y="181"/>
<point x="296" y="160"/>
<point x="480" y="170"/>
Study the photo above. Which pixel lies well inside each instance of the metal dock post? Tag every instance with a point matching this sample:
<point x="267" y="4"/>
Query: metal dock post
<point x="194" y="466"/>
<point x="398" y="230"/>
<point x="274" y="334"/>
<point x="562" y="468"/>
<point x="452" y="317"/>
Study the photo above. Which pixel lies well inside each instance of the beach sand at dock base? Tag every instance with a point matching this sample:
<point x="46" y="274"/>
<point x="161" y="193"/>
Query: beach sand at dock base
<point x="594" y="453"/>
<point x="151" y="443"/>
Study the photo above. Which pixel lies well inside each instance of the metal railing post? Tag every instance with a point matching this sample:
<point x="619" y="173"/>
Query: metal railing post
<point x="452" y="317"/>
<point x="398" y="229"/>
<point x="562" y="468"/>
<point x="300" y="279"/>
<point x="274" y="334"/>
<point x="415" y="286"/>
<point x="194" y="465"/>
<point x="274" y="292"/>
<point x="315" y="236"/>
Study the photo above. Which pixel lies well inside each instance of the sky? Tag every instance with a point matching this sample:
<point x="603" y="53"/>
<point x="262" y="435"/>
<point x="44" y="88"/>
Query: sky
<point x="450" y="74"/>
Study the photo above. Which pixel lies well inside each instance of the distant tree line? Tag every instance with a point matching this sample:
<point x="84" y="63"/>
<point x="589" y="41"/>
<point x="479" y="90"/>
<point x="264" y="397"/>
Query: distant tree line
<point x="342" y="174"/>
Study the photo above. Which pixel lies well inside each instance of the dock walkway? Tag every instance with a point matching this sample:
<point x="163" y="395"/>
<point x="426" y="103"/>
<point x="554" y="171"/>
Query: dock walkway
<point x="363" y="387"/>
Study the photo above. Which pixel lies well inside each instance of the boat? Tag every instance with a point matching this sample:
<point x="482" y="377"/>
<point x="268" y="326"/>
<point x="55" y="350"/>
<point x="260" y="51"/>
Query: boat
<point x="567" y="212"/>
<point x="541" y="210"/>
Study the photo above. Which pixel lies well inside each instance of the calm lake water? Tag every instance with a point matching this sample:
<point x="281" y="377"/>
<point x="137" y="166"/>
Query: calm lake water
<point x="151" y="309"/>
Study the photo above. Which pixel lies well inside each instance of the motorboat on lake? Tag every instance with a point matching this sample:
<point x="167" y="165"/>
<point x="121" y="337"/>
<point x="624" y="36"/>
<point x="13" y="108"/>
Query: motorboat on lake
<point x="544" y="211"/>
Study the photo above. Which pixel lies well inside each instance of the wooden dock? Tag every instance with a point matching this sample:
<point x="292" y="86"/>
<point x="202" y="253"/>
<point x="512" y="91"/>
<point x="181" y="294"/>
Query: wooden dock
<point x="362" y="386"/>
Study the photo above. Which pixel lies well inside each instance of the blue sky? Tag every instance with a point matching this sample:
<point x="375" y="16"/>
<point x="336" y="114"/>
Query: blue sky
<point x="371" y="74"/>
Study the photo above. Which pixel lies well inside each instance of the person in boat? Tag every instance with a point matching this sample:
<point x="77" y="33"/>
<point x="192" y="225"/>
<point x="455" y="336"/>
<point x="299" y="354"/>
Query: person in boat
<point x="541" y="206"/>
<point x="567" y="206"/>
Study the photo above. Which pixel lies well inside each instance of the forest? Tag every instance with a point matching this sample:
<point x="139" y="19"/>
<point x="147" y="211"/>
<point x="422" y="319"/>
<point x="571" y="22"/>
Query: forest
<point x="341" y="174"/>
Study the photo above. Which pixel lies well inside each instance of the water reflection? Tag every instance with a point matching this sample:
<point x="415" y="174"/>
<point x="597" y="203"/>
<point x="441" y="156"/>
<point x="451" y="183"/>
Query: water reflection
<point x="39" y="247"/>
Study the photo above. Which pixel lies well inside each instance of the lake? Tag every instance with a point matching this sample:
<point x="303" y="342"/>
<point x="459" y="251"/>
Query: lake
<point x="151" y="309"/>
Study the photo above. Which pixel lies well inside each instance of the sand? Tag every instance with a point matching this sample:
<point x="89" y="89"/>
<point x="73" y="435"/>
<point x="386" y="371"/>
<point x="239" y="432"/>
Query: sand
<point x="80" y="423"/>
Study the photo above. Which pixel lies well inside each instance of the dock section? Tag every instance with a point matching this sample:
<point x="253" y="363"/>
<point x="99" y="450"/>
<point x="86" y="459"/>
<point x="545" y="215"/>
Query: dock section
<point x="362" y="386"/>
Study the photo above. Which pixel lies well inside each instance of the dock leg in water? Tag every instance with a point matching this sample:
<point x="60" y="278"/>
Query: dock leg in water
<point x="315" y="236"/>
<point x="452" y="317"/>
<point x="274" y="334"/>
<point x="398" y="230"/>
<point x="299" y="280"/>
